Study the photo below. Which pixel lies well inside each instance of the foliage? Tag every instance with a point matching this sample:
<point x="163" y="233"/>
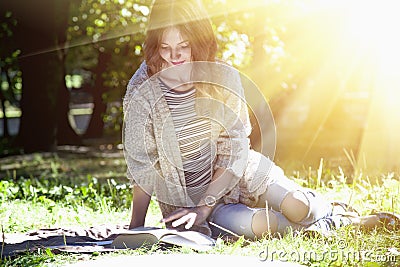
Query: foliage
<point x="89" y="193"/>
<point x="47" y="179"/>
<point x="118" y="28"/>
<point x="113" y="28"/>
<point x="10" y="75"/>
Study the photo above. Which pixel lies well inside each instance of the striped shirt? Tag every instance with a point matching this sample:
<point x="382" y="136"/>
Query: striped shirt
<point x="193" y="133"/>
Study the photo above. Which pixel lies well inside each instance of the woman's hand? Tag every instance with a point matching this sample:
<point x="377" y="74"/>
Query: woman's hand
<point x="190" y="216"/>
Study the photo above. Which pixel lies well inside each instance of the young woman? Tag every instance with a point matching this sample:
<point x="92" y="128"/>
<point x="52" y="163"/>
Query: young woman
<point x="186" y="140"/>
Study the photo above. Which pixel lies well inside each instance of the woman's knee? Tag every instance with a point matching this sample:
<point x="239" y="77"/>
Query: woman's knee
<point x="296" y="206"/>
<point x="264" y="222"/>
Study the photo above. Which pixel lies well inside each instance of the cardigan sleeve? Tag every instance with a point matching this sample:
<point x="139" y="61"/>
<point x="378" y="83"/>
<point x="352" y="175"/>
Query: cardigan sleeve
<point x="138" y="136"/>
<point x="139" y="144"/>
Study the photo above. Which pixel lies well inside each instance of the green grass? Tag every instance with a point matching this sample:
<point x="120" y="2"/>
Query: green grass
<point x="89" y="189"/>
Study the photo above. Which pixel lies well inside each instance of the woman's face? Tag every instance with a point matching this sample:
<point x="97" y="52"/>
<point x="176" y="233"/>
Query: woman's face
<point x="174" y="48"/>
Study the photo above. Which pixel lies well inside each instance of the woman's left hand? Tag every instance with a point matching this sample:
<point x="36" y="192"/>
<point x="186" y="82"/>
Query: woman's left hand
<point x="190" y="216"/>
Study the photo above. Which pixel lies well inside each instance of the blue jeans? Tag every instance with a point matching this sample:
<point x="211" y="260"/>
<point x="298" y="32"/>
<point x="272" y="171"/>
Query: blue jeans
<point x="237" y="218"/>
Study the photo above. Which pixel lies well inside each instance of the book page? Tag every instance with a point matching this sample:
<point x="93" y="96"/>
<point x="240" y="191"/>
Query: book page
<point x="138" y="237"/>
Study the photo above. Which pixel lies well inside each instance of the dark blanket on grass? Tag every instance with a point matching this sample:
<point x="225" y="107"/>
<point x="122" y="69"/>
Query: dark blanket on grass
<point x="81" y="240"/>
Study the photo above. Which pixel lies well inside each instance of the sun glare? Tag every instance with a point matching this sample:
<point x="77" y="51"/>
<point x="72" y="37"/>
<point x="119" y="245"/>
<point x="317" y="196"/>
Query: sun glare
<point x="347" y="62"/>
<point x="374" y="25"/>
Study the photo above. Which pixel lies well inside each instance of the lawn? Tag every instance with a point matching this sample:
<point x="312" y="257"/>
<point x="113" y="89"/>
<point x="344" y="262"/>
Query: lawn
<point x="80" y="187"/>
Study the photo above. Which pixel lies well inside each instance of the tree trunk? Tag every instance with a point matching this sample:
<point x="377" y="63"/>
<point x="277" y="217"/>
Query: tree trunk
<point x="6" y="133"/>
<point x="38" y="103"/>
<point x="42" y="75"/>
<point x="65" y="134"/>
<point x="96" y="124"/>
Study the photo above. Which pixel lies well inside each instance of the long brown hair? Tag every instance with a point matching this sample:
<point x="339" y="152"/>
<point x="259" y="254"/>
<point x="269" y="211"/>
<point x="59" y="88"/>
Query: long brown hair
<point x="192" y="20"/>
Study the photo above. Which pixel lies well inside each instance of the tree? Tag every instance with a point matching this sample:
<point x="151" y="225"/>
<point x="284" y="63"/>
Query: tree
<point x="115" y="32"/>
<point x="96" y="124"/>
<point x="65" y="133"/>
<point x="40" y="25"/>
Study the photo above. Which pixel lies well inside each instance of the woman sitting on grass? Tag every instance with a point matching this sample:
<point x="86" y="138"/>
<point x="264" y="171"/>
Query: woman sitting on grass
<point x="186" y="139"/>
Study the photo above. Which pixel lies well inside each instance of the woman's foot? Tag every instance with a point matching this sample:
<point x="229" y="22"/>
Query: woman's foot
<point x="326" y="226"/>
<point x="366" y="222"/>
<point x="389" y="221"/>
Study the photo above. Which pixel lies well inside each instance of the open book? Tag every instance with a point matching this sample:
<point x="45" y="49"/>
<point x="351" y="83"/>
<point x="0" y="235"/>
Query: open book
<point x="148" y="236"/>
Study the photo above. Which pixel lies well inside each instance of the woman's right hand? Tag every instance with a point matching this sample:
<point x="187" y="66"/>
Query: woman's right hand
<point x="188" y="216"/>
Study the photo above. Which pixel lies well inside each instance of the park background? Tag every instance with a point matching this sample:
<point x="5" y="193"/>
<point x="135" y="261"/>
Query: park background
<point x="329" y="71"/>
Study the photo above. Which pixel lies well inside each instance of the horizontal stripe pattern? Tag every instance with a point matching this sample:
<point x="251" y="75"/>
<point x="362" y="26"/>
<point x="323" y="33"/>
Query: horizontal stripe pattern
<point x="193" y="134"/>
